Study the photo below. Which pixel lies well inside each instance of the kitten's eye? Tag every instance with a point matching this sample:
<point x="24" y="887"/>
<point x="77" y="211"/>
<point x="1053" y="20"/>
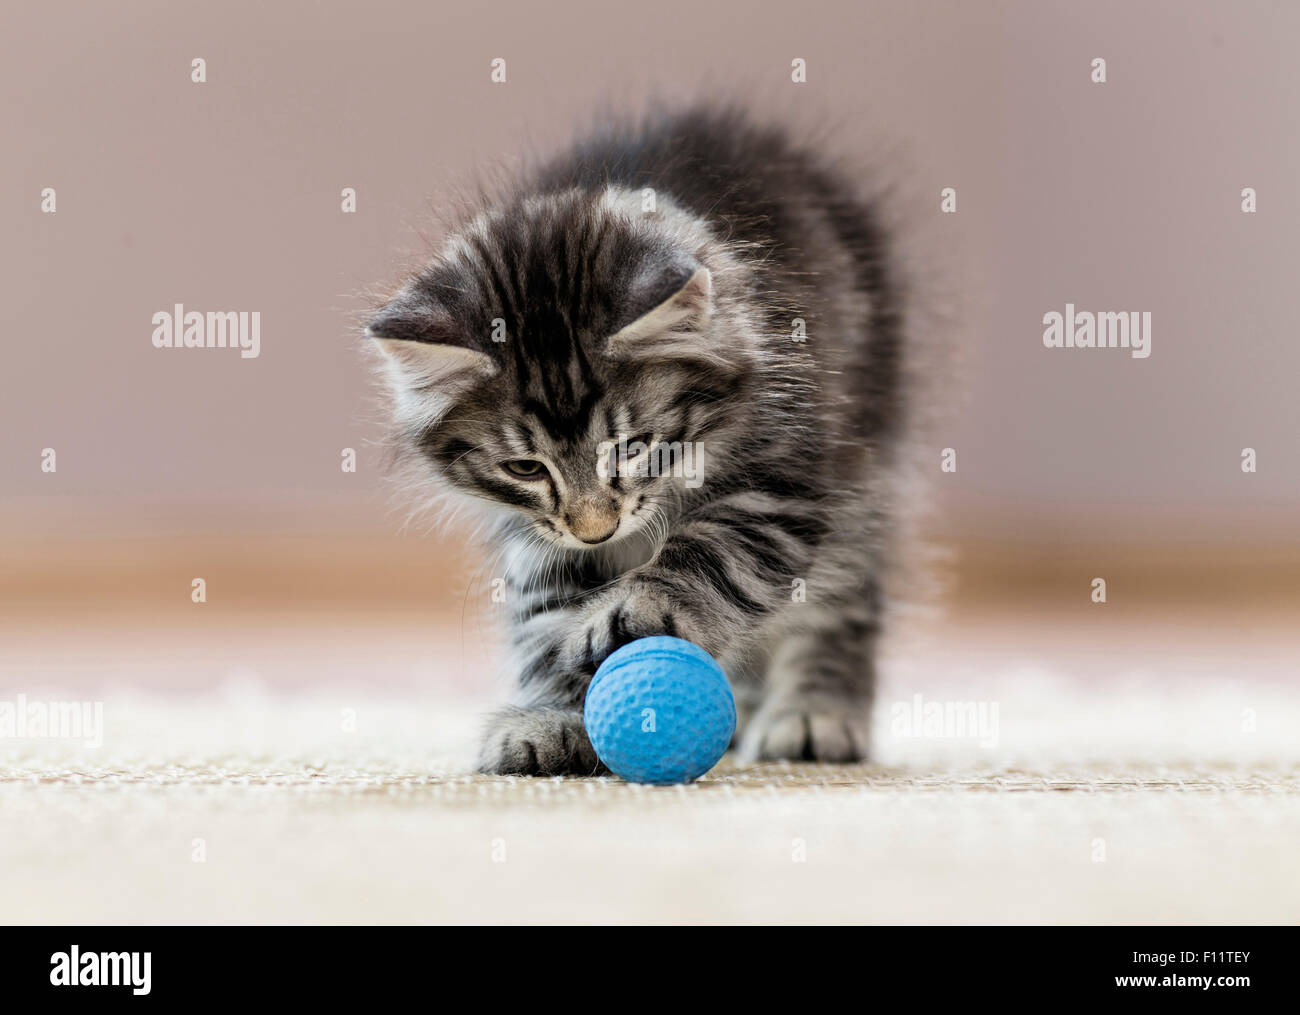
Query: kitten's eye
<point x="525" y="468"/>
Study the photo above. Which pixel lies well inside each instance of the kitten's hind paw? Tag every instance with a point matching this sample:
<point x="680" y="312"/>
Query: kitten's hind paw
<point x="538" y="741"/>
<point x="795" y="734"/>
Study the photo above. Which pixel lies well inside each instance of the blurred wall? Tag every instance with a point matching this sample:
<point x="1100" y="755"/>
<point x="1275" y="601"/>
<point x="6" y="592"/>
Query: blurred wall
<point x="226" y="196"/>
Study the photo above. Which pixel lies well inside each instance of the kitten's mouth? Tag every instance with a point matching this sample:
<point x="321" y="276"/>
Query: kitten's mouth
<point x="565" y="536"/>
<point x="595" y="538"/>
<point x="581" y="542"/>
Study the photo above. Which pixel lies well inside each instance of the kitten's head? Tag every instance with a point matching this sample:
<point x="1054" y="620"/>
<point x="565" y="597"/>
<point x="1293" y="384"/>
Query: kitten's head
<point x="549" y="329"/>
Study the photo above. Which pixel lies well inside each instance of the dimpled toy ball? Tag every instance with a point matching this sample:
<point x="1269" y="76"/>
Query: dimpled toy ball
<point x="660" y="711"/>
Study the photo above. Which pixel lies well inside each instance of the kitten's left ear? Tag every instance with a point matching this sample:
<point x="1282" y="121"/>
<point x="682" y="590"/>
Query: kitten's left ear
<point x="426" y="358"/>
<point x="679" y="302"/>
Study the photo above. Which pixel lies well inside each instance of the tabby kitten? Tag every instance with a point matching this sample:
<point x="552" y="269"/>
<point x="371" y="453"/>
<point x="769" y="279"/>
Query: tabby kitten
<point x="667" y="368"/>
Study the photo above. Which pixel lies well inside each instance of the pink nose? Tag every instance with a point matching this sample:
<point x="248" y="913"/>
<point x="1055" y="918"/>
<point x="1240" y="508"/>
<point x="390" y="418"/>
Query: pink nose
<point x="593" y="519"/>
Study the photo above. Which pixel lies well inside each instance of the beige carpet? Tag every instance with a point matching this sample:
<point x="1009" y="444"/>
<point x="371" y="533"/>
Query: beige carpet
<point x="247" y="804"/>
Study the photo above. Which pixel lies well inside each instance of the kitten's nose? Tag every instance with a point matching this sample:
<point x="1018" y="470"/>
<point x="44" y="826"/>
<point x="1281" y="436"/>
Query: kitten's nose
<point x="593" y="519"/>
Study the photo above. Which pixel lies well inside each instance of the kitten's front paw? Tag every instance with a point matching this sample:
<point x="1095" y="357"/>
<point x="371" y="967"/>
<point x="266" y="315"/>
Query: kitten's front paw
<point x="538" y="741"/>
<point x="806" y="733"/>
<point x="618" y="623"/>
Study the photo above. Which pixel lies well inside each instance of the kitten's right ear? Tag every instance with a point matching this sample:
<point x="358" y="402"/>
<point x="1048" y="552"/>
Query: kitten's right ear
<point x="425" y="358"/>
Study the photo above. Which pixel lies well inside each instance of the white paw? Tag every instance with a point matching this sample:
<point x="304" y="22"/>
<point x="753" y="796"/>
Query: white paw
<point x="794" y="732"/>
<point x="537" y="741"/>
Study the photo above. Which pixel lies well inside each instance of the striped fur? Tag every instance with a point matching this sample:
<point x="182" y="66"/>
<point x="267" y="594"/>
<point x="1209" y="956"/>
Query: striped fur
<point x="567" y="314"/>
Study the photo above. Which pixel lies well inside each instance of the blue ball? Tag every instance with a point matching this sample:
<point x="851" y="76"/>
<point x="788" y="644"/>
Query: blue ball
<point x="660" y="710"/>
